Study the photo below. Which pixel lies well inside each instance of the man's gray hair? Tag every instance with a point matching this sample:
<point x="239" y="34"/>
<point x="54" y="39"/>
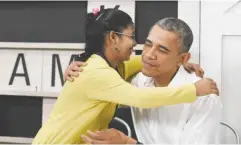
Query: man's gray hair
<point x="178" y="26"/>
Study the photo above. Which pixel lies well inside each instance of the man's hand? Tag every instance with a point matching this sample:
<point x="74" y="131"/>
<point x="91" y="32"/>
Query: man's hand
<point x="191" y="67"/>
<point x="73" y="70"/>
<point x="108" y="136"/>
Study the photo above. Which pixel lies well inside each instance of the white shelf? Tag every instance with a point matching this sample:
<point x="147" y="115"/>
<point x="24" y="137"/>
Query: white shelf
<point x="49" y="46"/>
<point x="30" y="94"/>
<point x="21" y="140"/>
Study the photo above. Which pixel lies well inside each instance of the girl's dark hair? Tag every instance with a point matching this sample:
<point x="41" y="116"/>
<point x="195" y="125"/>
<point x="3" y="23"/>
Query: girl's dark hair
<point x="98" y="26"/>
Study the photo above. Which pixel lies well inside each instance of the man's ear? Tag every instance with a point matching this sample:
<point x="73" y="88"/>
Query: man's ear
<point x="184" y="58"/>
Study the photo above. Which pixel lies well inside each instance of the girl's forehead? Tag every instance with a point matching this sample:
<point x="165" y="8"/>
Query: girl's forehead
<point x="130" y="28"/>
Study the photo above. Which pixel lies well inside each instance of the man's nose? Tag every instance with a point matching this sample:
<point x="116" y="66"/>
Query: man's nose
<point x="151" y="53"/>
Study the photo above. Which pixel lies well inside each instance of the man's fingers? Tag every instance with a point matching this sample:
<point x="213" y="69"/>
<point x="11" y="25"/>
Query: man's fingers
<point x="202" y="71"/>
<point x="188" y="70"/>
<point x="198" y="73"/>
<point x="193" y="69"/>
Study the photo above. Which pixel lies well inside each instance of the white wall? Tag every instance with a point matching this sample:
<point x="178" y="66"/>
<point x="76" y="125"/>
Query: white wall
<point x="220" y="56"/>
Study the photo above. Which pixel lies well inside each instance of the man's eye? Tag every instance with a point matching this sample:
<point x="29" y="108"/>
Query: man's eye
<point x="148" y="44"/>
<point x="163" y="50"/>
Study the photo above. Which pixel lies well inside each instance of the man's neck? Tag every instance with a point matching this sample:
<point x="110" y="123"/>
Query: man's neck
<point x="163" y="80"/>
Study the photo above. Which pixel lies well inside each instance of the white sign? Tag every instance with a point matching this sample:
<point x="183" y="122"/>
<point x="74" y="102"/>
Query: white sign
<point x="33" y="72"/>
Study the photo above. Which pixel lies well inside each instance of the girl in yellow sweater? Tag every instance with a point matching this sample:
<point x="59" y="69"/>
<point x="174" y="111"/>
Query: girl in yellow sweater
<point x="90" y="101"/>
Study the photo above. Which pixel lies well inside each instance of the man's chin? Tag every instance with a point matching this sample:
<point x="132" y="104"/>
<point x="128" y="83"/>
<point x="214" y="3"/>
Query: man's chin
<point x="147" y="73"/>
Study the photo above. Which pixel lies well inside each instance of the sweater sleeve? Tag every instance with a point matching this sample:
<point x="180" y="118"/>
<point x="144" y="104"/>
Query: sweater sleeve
<point x="106" y="85"/>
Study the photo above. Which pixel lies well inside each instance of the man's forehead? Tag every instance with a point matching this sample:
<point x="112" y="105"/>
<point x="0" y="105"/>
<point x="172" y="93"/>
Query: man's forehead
<point x="155" y="33"/>
<point x="158" y="34"/>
